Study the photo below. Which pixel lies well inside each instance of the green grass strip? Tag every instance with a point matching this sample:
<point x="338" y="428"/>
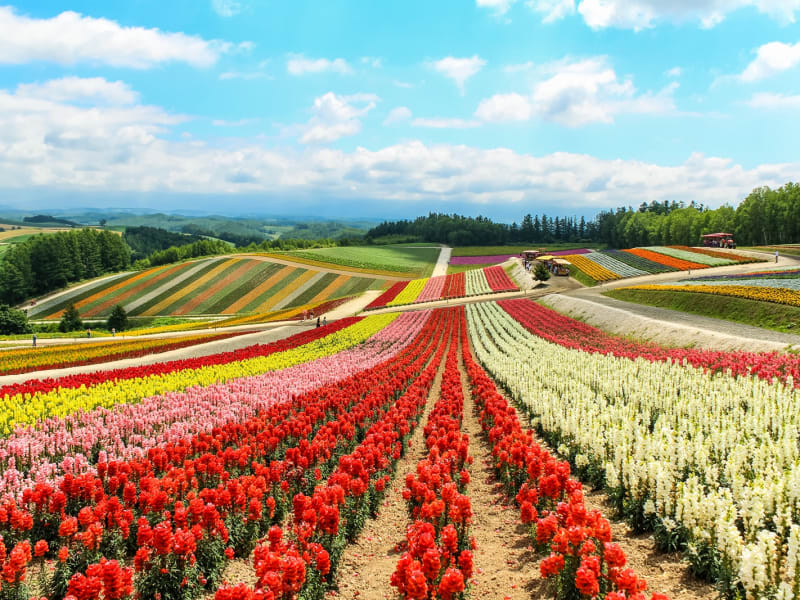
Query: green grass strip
<point x="240" y="288"/>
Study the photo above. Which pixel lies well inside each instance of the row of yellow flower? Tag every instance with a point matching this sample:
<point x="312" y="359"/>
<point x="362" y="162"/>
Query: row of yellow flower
<point x="28" y="409"/>
<point x="591" y="268"/>
<point x="410" y="292"/>
<point x="767" y="294"/>
<point x="23" y="359"/>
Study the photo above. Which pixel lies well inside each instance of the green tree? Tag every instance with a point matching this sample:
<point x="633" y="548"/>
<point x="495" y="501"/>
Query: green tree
<point x="13" y="321"/>
<point x="118" y="319"/>
<point x="71" y="320"/>
<point x="541" y="272"/>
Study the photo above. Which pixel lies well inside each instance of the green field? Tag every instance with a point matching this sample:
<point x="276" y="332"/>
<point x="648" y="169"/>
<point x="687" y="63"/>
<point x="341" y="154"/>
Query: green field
<point x="768" y="315"/>
<point x="461" y="268"/>
<point x="493" y="250"/>
<point x="403" y="259"/>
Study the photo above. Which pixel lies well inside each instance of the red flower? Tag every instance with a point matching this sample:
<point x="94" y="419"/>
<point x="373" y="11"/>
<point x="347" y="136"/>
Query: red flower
<point x="552" y="565"/>
<point x="41" y="548"/>
<point x="586" y="581"/>
<point x="452" y="583"/>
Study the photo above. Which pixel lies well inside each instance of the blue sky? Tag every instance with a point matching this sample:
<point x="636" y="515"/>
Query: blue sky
<point x="357" y="108"/>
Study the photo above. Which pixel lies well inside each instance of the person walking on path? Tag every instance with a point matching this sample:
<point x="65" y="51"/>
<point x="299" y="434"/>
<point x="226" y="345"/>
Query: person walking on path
<point x="324" y="320"/>
<point x="34" y="340"/>
<point x="317" y="321"/>
<point x="88" y="333"/>
<point x="776" y="257"/>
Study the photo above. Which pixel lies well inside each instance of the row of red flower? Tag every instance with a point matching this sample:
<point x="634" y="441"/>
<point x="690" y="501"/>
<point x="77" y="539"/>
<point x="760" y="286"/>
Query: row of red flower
<point x="557" y="328"/>
<point x="498" y="279"/>
<point x="583" y="561"/>
<point x="88" y="379"/>
<point x="387" y="296"/>
<point x="189" y="507"/>
<point x="438" y="562"/>
<point x="455" y="286"/>
<point x="335" y="513"/>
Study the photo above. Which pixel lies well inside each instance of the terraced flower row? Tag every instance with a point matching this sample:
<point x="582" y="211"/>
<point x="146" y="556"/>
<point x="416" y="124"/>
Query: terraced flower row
<point x="755" y="290"/>
<point x="194" y="503"/>
<point x="456" y="285"/>
<point x="69" y="355"/>
<point x="34" y="401"/>
<point x="234" y="285"/>
<point x="706" y="458"/>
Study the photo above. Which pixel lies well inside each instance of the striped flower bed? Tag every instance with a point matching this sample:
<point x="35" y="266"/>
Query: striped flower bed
<point x="591" y="268"/>
<point x="710" y="261"/>
<point x="615" y="266"/>
<point x="740" y="258"/>
<point x="638" y="262"/>
<point x="676" y="263"/>
<point x="476" y="283"/>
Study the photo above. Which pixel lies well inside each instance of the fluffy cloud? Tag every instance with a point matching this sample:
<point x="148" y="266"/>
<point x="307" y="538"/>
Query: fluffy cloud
<point x="226" y="8"/>
<point x="70" y="38"/>
<point x="459" y="69"/>
<point x="498" y="7"/>
<point x="769" y="101"/>
<point x="553" y="10"/>
<point x="770" y="59"/>
<point x="93" y="90"/>
<point x="398" y="115"/>
<point x="674" y="72"/>
<point x="641" y="14"/>
<point x="300" y="65"/>
<point x="335" y="117"/>
<point x="574" y="93"/>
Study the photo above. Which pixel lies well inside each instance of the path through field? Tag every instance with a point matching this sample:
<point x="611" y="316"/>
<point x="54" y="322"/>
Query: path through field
<point x="442" y="262"/>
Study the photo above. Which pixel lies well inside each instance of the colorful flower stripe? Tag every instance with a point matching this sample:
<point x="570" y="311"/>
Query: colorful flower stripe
<point x="498" y="280"/>
<point x="476" y="283"/>
<point x="128" y="431"/>
<point x="454" y="286"/>
<point x="227" y="278"/>
<point x="388" y="296"/>
<point x="410" y="292"/>
<point x="432" y="289"/>
<point x="777" y="273"/>
<point x="591" y="268"/>
<point x="481" y="260"/>
<point x="286" y="290"/>
<point x="71" y="355"/>
<point x="638" y="262"/>
<point x="680" y="265"/>
<point x="287" y="314"/>
<point x="567" y="332"/>
<point x="190" y="501"/>
<point x="740" y="258"/>
<point x="789" y="283"/>
<point x="258" y="291"/>
<point x="582" y="554"/>
<point x="296" y="258"/>
<point x="686" y="255"/>
<point x="107" y="392"/>
<point x="708" y="462"/>
<point x="620" y="268"/>
<point x="778" y="295"/>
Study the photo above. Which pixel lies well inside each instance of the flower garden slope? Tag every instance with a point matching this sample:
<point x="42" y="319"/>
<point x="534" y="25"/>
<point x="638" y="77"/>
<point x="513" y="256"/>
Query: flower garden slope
<point x="408" y="261"/>
<point x="707" y="460"/>
<point x="777" y="295"/>
<point x="28" y="409"/>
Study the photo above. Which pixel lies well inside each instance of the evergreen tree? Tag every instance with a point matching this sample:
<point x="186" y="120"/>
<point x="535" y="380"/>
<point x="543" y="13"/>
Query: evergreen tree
<point x="71" y="320"/>
<point x="118" y="319"/>
<point x="541" y="272"/>
<point x="13" y="321"/>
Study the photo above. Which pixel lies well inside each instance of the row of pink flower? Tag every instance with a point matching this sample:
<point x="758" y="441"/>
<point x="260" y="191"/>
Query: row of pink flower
<point x="432" y="290"/>
<point x="57" y="446"/>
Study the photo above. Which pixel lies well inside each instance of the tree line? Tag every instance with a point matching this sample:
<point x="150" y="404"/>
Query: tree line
<point x="48" y="262"/>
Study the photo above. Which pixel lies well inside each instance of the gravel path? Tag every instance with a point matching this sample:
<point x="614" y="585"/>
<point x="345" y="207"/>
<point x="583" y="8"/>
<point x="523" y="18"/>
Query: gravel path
<point x="227" y="345"/>
<point x="442" y="262"/>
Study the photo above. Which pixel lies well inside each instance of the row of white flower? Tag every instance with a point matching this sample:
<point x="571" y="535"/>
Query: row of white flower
<point x="696" y="257"/>
<point x="711" y="458"/>
<point x="476" y="283"/>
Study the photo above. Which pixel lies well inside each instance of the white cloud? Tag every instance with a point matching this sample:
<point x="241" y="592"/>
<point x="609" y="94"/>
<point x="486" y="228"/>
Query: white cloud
<point x="372" y="61"/>
<point x="553" y="10"/>
<point x="226" y="8"/>
<point x="498" y="7"/>
<point x="505" y="107"/>
<point x="71" y="38"/>
<point x="397" y="115"/>
<point x="334" y="117"/>
<point x="403" y="84"/>
<point x="771" y="59"/>
<point x="459" y="69"/>
<point x="442" y="123"/>
<point x="770" y="101"/>
<point x="246" y="75"/>
<point x="300" y="65"/>
<point x="519" y="68"/>
<point x="674" y="72"/>
<point x="237" y="123"/>
<point x="95" y="90"/>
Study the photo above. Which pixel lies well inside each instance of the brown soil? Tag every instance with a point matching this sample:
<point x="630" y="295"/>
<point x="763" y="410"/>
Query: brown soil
<point x="367" y="564"/>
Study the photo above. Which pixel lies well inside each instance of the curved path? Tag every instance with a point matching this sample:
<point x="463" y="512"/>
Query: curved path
<point x="442" y="262"/>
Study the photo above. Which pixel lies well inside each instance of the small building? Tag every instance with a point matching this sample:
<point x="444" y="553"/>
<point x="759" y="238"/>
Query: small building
<point x="719" y="240"/>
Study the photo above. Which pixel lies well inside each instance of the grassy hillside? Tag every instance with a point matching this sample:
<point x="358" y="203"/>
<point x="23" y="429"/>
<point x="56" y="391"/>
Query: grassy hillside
<point x="752" y="312"/>
<point x="214" y="286"/>
<point x="410" y="260"/>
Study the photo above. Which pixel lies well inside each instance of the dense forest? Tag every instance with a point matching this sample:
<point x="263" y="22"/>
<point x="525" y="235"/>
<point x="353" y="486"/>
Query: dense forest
<point x="766" y="216"/>
<point x="50" y="261"/>
<point x="144" y="240"/>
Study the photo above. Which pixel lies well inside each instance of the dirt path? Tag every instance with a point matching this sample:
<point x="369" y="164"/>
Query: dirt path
<point x="506" y="566"/>
<point x="368" y="563"/>
<point x="442" y="261"/>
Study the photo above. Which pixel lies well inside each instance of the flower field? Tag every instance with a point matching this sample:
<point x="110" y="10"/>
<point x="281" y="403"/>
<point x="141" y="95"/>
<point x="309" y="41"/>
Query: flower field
<point x="216" y="286"/>
<point x="778" y="291"/>
<point x="70" y="355"/>
<point x="381" y="260"/>
<point x="490" y="280"/>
